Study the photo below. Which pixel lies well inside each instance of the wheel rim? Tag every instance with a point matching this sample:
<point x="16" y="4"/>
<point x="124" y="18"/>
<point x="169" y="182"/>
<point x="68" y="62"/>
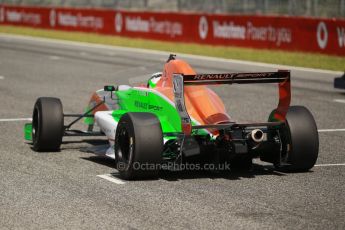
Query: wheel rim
<point x="35" y="125"/>
<point x="125" y="145"/>
<point x="285" y="139"/>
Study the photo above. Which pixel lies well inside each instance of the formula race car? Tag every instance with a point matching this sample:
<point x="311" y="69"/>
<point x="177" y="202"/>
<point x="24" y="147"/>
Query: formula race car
<point x="176" y="117"/>
<point x="339" y="82"/>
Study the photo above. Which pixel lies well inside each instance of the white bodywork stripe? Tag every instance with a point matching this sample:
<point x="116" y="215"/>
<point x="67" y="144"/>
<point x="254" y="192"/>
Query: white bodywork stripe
<point x="108" y="125"/>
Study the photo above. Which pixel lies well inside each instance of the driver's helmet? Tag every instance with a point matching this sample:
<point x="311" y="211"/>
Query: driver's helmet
<point x="154" y="79"/>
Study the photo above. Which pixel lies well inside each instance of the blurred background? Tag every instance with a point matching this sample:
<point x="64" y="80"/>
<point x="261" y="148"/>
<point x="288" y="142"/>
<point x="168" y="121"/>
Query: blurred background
<point x="309" y="8"/>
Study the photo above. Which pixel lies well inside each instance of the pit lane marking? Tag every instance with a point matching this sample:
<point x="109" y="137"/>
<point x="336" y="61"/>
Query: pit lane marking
<point x="339" y="100"/>
<point x="329" y="165"/>
<point x="112" y="179"/>
<point x="16" y="119"/>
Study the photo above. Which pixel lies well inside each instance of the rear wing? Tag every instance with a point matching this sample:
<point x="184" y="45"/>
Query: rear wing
<point x="282" y="77"/>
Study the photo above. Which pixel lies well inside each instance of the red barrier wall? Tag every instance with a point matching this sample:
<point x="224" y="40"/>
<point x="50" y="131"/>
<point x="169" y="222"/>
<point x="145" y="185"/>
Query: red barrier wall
<point x="270" y="32"/>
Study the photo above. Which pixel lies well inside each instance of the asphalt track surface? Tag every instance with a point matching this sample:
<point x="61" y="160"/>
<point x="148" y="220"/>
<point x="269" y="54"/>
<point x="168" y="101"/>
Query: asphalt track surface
<point x="63" y="189"/>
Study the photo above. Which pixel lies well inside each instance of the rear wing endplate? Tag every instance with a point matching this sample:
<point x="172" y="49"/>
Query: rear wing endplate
<point x="282" y="77"/>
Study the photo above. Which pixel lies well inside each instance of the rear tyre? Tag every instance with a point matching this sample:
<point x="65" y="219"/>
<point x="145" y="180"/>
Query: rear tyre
<point x="47" y="124"/>
<point x="138" y="146"/>
<point x="301" y="140"/>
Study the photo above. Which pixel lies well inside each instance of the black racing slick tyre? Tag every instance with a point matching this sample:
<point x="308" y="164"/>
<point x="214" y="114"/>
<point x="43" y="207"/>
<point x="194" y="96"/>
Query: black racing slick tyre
<point x="138" y="146"/>
<point x="47" y="124"/>
<point x="301" y="140"/>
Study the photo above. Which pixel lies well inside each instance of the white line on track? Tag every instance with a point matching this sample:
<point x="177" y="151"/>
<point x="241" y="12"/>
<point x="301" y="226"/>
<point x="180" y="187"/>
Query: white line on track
<point x="2" y="77"/>
<point x="15" y="119"/>
<point x="54" y="57"/>
<point x="330" y="130"/>
<point x="112" y="179"/>
<point x="339" y="100"/>
<point x="329" y="165"/>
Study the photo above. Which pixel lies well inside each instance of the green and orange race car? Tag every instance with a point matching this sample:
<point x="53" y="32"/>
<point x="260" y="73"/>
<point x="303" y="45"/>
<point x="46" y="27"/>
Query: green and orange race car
<point x="176" y="117"/>
<point x="339" y="82"/>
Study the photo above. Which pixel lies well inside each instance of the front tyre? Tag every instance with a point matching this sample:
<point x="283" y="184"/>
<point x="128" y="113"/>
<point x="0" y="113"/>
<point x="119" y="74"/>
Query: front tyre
<point x="47" y="124"/>
<point x="138" y="146"/>
<point x="301" y="140"/>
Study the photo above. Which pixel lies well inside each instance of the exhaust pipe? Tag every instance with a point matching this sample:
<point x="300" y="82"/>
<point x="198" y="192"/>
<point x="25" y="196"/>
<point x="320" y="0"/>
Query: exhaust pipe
<point x="256" y="135"/>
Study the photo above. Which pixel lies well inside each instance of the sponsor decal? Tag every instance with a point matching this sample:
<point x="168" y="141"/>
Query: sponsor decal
<point x="231" y="30"/>
<point x="322" y="35"/>
<point x="255" y="31"/>
<point x="79" y="20"/>
<point x="52" y="18"/>
<point x="147" y="106"/>
<point x="203" y="27"/>
<point x="13" y="16"/>
<point x="277" y="35"/>
<point x="118" y="22"/>
<point x="213" y="76"/>
<point x="155" y="107"/>
<point x="226" y="76"/>
<point x="2" y="14"/>
<point x="228" y="30"/>
<point x="151" y="25"/>
<point x="341" y="36"/>
<point x="136" y="24"/>
<point x="16" y="16"/>
<point x="140" y="104"/>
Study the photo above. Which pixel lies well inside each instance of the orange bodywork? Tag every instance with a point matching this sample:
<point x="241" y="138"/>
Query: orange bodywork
<point x="96" y="99"/>
<point x="202" y="103"/>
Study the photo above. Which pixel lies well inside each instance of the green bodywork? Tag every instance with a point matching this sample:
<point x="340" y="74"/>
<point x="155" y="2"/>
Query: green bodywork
<point x="28" y="131"/>
<point x="143" y="100"/>
<point x="89" y="120"/>
<point x="137" y="100"/>
<point x="134" y="100"/>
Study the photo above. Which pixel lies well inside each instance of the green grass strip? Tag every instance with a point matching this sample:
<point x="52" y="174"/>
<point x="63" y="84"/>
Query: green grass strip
<point x="301" y="59"/>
